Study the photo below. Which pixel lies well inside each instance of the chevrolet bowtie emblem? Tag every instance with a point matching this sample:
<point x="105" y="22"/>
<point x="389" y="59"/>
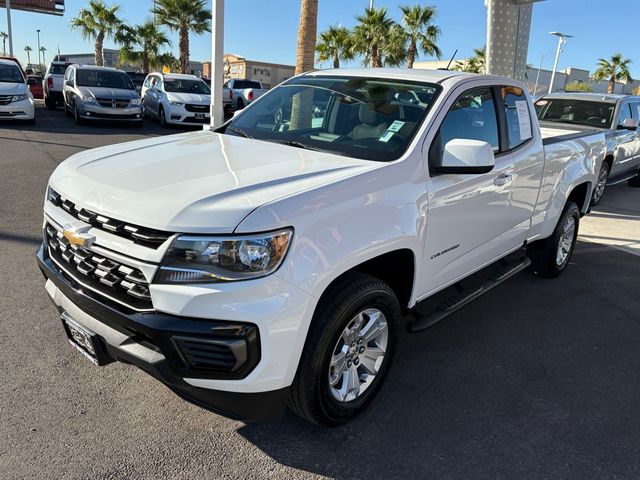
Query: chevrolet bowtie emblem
<point x="78" y="235"/>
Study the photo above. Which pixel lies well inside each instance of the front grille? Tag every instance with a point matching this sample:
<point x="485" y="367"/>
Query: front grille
<point x="113" y="103"/>
<point x="121" y="283"/>
<point x="197" y="108"/>
<point x="204" y="354"/>
<point x="144" y="236"/>
<point x="5" y="99"/>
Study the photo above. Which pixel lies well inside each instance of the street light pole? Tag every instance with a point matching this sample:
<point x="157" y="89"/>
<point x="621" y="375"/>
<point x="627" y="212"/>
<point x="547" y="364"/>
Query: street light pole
<point x="38" y="30"/>
<point x="535" y="89"/>
<point x="561" y="42"/>
<point x="370" y="4"/>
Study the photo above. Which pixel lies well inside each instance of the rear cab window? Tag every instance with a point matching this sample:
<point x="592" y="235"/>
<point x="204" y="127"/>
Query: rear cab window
<point x="517" y="116"/>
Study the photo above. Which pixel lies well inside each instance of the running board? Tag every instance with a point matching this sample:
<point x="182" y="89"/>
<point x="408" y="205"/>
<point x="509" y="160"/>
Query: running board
<point x="489" y="277"/>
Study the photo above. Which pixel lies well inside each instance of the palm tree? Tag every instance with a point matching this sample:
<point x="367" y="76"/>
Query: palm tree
<point x="421" y="33"/>
<point x="28" y="49"/>
<point x="98" y="22"/>
<point x="4" y="36"/>
<point x="334" y="44"/>
<point x="165" y="59"/>
<point x="141" y="44"/>
<point x="307" y="30"/>
<point x="613" y="70"/>
<point x="475" y="64"/>
<point x="372" y="34"/>
<point x="42" y="50"/>
<point x="184" y="16"/>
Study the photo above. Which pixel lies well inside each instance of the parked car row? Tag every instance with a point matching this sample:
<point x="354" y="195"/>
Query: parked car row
<point x="91" y="93"/>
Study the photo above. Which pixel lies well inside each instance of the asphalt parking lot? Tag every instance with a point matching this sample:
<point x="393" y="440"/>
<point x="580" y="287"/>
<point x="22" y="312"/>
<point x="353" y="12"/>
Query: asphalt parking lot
<point x="537" y="379"/>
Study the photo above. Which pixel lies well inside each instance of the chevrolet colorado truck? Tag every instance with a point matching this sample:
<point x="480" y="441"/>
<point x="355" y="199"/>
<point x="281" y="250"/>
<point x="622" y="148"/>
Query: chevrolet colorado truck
<point x="271" y="261"/>
<point x="615" y="115"/>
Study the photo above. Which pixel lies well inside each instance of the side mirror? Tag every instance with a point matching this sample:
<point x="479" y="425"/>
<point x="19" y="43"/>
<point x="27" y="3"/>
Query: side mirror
<point x="629" y="124"/>
<point x="467" y="157"/>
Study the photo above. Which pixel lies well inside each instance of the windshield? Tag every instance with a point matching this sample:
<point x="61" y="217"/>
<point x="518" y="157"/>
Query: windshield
<point x="10" y="74"/>
<point x="368" y="118"/>
<point x="576" y="112"/>
<point x="179" y="85"/>
<point x="58" y="69"/>
<point x="104" y="78"/>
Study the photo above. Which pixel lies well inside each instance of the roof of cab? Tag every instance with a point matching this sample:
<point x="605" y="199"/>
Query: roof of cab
<point x="432" y="76"/>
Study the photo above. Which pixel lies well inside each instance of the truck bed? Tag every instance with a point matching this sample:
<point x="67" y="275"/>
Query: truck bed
<point x="554" y="133"/>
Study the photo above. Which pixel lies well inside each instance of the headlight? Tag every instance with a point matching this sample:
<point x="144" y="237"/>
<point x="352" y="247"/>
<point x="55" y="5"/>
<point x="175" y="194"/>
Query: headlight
<point x="135" y="102"/>
<point x="19" y="98"/>
<point x="194" y="259"/>
<point x="175" y="104"/>
<point x="88" y="98"/>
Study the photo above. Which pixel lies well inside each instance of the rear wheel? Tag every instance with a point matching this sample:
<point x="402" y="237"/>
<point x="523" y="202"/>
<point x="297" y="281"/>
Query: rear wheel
<point x="598" y="192"/>
<point x="49" y="103"/>
<point x="550" y="257"/>
<point x="240" y="104"/>
<point x="348" y="352"/>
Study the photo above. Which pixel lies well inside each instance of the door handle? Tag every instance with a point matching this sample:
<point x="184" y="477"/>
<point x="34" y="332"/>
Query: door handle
<point x="502" y="180"/>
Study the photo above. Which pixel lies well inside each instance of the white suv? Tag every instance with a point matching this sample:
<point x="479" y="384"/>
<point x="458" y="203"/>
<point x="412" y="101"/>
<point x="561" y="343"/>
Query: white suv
<point x="16" y="101"/>
<point x="176" y="99"/>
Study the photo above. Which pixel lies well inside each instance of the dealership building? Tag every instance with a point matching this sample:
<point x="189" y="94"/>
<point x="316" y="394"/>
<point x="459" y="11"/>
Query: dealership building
<point x="236" y="66"/>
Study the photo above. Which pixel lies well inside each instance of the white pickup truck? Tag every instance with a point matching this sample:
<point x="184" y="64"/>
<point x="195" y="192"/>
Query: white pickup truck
<point x="244" y="92"/>
<point x="53" y="83"/>
<point x="271" y="262"/>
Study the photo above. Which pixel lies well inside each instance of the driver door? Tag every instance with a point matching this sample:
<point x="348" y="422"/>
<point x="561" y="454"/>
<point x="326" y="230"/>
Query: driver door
<point x="470" y="220"/>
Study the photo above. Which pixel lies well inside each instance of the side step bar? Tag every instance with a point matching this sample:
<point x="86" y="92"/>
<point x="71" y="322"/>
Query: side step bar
<point x="495" y="275"/>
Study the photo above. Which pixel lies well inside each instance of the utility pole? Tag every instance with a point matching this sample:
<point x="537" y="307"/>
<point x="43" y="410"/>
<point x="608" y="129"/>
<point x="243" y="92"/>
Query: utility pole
<point x="7" y="4"/>
<point x="561" y="42"/>
<point x="38" y="30"/>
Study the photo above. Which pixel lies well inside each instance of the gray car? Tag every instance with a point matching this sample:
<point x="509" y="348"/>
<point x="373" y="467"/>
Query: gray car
<point x="617" y="115"/>
<point x="101" y="94"/>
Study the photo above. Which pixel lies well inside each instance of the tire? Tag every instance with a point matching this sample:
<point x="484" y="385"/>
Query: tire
<point x="546" y="259"/>
<point x="49" y="104"/>
<point x="239" y="104"/>
<point x="67" y="112"/>
<point x="634" y="181"/>
<point x="356" y="297"/>
<point x="601" y="184"/>
<point x="76" y="116"/>
<point x="161" y="117"/>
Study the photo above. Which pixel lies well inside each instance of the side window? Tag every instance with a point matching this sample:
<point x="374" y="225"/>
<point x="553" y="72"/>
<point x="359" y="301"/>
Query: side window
<point x="517" y="115"/>
<point x="635" y="110"/>
<point x="624" y="114"/>
<point x="472" y="117"/>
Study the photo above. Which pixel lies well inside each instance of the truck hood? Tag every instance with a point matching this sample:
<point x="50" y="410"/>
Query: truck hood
<point x="200" y="182"/>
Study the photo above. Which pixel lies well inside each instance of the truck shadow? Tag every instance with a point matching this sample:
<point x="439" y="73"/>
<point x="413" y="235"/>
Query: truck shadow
<point x="524" y="383"/>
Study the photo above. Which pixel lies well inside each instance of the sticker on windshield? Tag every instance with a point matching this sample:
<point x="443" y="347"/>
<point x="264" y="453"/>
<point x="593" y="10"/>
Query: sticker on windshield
<point x="395" y="126"/>
<point x="524" y="120"/>
<point x="541" y="103"/>
<point x="386" y="136"/>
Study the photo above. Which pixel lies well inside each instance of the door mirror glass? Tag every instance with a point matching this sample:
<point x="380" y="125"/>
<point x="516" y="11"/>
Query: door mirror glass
<point x="629" y="124"/>
<point x="463" y="156"/>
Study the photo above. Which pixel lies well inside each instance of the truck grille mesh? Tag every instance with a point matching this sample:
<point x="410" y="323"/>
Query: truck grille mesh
<point x="144" y="236"/>
<point x="118" y="282"/>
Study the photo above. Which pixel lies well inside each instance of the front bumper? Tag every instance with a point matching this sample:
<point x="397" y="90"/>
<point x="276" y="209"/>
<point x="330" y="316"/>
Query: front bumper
<point x="22" y="110"/>
<point x="93" y="111"/>
<point x="151" y="342"/>
<point x="179" y="115"/>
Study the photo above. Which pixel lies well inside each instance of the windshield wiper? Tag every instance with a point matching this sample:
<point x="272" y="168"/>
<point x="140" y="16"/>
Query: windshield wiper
<point x="294" y="143"/>
<point x="240" y="132"/>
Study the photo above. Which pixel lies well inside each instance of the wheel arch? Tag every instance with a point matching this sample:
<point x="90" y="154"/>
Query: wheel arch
<point x="581" y="196"/>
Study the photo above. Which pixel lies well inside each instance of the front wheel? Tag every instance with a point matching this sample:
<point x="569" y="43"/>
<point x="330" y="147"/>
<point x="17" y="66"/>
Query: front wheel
<point x="348" y="352"/>
<point x="550" y="257"/>
<point x="77" y="118"/>
<point x="161" y="117"/>
<point x="598" y="192"/>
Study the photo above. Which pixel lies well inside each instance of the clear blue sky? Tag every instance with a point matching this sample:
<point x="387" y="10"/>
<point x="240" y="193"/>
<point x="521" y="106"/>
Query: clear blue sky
<point x="266" y="29"/>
